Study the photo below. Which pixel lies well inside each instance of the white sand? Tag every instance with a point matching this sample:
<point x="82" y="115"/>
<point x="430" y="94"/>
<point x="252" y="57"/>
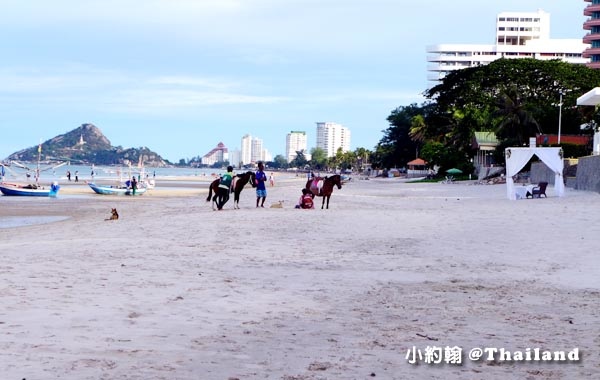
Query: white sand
<point x="174" y="290"/>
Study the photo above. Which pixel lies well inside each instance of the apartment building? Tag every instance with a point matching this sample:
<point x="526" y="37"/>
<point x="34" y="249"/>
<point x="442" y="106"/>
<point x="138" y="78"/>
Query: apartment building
<point x="518" y="35"/>
<point x="332" y="136"/>
<point x="592" y="25"/>
<point x="295" y="141"/>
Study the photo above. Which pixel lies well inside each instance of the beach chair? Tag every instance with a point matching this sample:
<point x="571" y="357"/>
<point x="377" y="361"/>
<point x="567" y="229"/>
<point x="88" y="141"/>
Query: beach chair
<point x="539" y="190"/>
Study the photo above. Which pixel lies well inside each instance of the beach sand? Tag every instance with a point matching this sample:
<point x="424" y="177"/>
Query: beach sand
<point x="174" y="290"/>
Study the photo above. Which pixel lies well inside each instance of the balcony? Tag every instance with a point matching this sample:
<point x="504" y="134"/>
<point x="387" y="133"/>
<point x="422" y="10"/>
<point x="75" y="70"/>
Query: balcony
<point x="593" y="65"/>
<point x="591" y="22"/>
<point x="590" y="37"/>
<point x="590" y="9"/>
<point x="590" y="52"/>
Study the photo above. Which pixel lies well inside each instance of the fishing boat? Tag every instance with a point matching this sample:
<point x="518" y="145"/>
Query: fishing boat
<point x="115" y="189"/>
<point x="31" y="190"/>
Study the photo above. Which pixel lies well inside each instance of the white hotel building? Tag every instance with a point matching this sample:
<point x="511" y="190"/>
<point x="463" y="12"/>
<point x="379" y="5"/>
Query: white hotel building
<point x="518" y="35"/>
<point x="295" y="141"/>
<point x="331" y="137"/>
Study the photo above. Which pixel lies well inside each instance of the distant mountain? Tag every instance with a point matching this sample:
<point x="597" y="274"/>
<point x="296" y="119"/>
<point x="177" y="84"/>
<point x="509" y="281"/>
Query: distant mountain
<point x="87" y="144"/>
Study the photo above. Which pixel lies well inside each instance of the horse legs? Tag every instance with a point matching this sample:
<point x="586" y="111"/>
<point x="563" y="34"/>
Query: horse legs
<point x="329" y="196"/>
<point x="323" y="203"/>
<point x="236" y="200"/>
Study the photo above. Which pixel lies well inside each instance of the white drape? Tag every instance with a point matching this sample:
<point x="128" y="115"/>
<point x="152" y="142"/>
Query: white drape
<point x="517" y="158"/>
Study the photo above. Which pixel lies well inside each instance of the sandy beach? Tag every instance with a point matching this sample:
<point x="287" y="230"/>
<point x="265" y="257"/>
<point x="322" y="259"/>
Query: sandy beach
<point x="174" y="290"/>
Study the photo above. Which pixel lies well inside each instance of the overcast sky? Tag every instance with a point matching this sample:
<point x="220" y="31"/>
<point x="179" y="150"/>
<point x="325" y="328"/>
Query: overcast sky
<point x="180" y="76"/>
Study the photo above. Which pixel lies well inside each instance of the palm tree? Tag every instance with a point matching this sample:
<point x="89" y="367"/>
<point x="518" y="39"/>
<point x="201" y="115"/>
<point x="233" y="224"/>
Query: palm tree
<point x="516" y="121"/>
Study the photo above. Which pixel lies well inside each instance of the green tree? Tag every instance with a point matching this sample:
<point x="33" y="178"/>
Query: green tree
<point x="318" y="158"/>
<point x="279" y="162"/>
<point x="396" y="147"/>
<point x="299" y="161"/>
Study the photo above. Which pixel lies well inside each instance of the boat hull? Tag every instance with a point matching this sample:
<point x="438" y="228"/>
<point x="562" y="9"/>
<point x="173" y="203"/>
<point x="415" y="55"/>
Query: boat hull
<point x="13" y="189"/>
<point x="114" y="190"/>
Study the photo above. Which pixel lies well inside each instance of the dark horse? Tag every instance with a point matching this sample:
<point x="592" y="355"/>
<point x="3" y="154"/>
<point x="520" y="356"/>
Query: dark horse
<point x="327" y="189"/>
<point x="241" y="181"/>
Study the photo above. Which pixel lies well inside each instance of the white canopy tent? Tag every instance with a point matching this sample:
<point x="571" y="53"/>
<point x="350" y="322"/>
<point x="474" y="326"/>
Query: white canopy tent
<point x="592" y="98"/>
<point x="517" y="158"/>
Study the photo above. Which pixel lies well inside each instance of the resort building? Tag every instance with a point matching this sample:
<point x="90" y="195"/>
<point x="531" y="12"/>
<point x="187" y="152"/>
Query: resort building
<point x="592" y="24"/>
<point x="331" y="137"/>
<point x="518" y="35"/>
<point x="295" y="141"/>
<point x="217" y="154"/>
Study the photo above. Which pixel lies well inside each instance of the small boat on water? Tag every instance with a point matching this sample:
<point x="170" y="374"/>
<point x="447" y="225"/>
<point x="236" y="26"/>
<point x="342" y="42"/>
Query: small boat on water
<point x="31" y="190"/>
<point x="115" y="190"/>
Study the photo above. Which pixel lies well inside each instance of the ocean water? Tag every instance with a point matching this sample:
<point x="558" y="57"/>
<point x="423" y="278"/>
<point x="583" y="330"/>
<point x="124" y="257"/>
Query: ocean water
<point x="49" y="174"/>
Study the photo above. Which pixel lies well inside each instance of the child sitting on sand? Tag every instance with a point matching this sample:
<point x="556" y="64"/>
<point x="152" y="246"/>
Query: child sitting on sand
<point x="306" y="200"/>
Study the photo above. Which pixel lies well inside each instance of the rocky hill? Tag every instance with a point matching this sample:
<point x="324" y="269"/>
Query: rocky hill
<point x="86" y="144"/>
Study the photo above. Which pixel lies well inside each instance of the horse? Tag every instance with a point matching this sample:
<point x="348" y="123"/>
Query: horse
<point x="241" y="181"/>
<point x="327" y="189"/>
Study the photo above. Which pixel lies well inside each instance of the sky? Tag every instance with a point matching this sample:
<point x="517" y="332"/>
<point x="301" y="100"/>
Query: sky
<point x="180" y="76"/>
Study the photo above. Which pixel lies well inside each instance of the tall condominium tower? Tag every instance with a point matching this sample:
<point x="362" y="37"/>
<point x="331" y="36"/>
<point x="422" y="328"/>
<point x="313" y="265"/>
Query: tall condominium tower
<point x="331" y="137"/>
<point x="593" y="37"/>
<point x="518" y="35"/>
<point x="246" y="150"/>
<point x="295" y="141"/>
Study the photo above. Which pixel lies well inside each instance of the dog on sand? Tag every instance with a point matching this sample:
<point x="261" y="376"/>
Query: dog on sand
<point x="114" y="214"/>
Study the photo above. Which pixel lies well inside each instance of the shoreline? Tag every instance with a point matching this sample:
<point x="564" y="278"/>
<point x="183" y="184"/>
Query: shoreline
<point x="175" y="290"/>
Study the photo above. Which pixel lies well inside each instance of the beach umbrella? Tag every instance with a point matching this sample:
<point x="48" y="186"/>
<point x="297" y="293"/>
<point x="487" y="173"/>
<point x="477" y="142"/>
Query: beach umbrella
<point x="454" y="171"/>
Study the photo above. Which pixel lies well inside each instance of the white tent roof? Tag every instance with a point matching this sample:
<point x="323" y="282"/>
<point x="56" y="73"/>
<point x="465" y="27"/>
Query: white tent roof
<point x="590" y="98"/>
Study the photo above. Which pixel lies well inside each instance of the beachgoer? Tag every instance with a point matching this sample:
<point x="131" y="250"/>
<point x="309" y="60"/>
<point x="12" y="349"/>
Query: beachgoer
<point x="76" y="176"/>
<point x="271" y="180"/>
<point x="69" y="175"/>
<point x="306" y="200"/>
<point x="261" y="190"/>
<point x="134" y="183"/>
<point x="224" y="188"/>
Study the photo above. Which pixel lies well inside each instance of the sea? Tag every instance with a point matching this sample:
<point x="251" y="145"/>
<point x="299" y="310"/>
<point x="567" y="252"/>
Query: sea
<point x="49" y="174"/>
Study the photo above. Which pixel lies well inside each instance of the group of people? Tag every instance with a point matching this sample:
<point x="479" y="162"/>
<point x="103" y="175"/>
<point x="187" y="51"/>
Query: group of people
<point x="76" y="175"/>
<point x="227" y="183"/>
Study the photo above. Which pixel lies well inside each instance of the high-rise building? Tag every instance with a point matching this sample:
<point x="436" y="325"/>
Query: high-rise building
<point x="253" y="151"/>
<point x="593" y="36"/>
<point x="257" y="150"/>
<point x="295" y="141"/>
<point x="518" y="35"/>
<point x="246" y="151"/>
<point x="331" y="137"/>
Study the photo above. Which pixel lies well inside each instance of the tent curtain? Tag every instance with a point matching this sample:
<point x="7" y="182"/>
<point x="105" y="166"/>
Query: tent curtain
<point x="517" y="158"/>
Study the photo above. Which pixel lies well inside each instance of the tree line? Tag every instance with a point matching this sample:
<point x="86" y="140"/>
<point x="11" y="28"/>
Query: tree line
<point x="514" y="98"/>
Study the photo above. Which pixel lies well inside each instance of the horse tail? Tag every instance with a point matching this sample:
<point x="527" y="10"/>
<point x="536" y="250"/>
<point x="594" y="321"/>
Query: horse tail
<point x="209" y="192"/>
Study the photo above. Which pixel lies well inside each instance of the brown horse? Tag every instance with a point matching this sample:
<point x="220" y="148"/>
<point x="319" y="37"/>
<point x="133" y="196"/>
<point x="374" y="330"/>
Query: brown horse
<point x="327" y="189"/>
<point x="241" y="181"/>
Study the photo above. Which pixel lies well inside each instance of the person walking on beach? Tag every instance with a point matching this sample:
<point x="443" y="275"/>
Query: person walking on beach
<point x="76" y="176"/>
<point x="134" y="183"/>
<point x="224" y="188"/>
<point x="271" y="180"/>
<point x="69" y="175"/>
<point x="261" y="190"/>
